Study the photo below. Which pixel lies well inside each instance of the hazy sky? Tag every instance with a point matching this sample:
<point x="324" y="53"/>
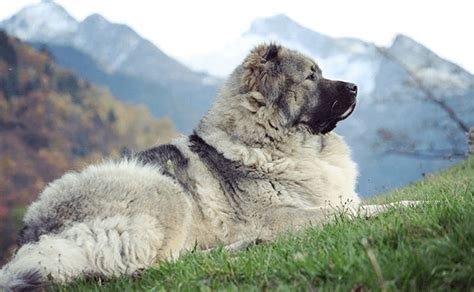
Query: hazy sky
<point x="186" y="28"/>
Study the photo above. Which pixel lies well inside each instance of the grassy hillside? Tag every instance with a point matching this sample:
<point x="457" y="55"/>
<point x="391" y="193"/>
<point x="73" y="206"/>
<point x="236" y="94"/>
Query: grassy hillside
<point x="422" y="248"/>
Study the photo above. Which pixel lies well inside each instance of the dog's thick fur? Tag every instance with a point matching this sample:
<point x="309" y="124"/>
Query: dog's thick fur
<point x="262" y="161"/>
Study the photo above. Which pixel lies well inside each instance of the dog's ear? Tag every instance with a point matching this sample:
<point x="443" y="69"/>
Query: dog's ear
<point x="272" y="53"/>
<point x="260" y="66"/>
<point x="252" y="101"/>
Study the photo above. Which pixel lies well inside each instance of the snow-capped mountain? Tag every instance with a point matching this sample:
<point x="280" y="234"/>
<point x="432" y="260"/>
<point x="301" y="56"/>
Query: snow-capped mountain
<point x="405" y="122"/>
<point x="435" y="72"/>
<point x="115" y="46"/>
<point x="119" y="52"/>
<point x="120" y="49"/>
<point x="95" y="32"/>
<point x="46" y="21"/>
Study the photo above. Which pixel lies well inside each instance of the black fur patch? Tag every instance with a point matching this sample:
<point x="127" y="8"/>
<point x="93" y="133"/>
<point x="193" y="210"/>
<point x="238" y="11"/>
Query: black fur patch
<point x="30" y="280"/>
<point x="55" y="224"/>
<point x="28" y="234"/>
<point x="172" y="162"/>
<point x="230" y="174"/>
<point x="282" y="104"/>
<point x="335" y="99"/>
<point x="161" y="155"/>
<point x="272" y="52"/>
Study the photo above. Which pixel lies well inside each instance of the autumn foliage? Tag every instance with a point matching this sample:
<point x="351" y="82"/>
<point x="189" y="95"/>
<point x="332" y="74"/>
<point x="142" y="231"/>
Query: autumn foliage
<point x="52" y="122"/>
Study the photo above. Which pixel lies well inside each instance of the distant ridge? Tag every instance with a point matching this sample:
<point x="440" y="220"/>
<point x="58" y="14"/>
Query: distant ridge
<point x="170" y="88"/>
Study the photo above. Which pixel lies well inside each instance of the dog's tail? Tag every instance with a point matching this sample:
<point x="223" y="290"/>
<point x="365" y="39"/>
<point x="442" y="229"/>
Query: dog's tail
<point x="51" y="257"/>
<point x="108" y="247"/>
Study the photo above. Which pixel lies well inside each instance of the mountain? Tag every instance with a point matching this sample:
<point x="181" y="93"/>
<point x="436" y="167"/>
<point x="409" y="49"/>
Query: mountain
<point x="118" y="51"/>
<point x="411" y="116"/>
<point x="412" y="103"/>
<point x="46" y="22"/>
<point x="52" y="121"/>
<point x="158" y="98"/>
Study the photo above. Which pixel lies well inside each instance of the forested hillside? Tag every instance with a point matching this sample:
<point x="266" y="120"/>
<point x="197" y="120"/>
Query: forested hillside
<point x="51" y="122"/>
<point x="117" y="57"/>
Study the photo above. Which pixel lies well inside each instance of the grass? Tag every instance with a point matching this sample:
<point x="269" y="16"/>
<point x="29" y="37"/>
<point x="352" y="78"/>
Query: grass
<point x="428" y="247"/>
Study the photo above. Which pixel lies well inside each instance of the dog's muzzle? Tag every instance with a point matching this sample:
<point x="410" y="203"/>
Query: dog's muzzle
<point x="345" y="102"/>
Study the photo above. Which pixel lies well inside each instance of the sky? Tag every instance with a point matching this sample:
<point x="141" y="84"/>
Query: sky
<point x="186" y="28"/>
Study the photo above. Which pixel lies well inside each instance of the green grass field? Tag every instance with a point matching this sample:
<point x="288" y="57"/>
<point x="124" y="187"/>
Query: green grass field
<point x="428" y="247"/>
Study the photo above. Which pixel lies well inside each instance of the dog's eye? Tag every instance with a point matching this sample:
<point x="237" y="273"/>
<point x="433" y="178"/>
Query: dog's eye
<point x="311" y="76"/>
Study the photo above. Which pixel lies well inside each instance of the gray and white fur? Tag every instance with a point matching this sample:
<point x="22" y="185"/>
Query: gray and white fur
<point x="262" y="161"/>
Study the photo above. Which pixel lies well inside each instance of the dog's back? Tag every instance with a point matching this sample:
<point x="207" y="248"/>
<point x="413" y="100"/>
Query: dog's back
<point x="109" y="219"/>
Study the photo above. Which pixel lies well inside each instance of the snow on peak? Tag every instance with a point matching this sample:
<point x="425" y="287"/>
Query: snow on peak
<point x="44" y="21"/>
<point x="272" y="24"/>
<point x="427" y="65"/>
<point x="95" y="36"/>
<point x="403" y="44"/>
<point x="281" y="27"/>
<point x="402" y="39"/>
<point x="95" y="19"/>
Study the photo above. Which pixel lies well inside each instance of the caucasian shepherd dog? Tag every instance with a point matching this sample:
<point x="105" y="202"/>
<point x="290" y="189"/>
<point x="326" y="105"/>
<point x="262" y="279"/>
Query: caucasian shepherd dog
<point x="262" y="161"/>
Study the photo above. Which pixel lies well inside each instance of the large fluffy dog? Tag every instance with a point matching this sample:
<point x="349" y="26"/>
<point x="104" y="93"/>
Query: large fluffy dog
<point x="262" y="161"/>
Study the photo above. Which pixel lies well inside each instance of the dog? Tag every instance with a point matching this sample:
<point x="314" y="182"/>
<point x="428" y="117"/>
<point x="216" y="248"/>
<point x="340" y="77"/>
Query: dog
<point x="264" y="160"/>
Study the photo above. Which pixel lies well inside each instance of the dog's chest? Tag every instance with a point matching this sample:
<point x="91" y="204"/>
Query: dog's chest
<point x="306" y="177"/>
<point x="317" y="178"/>
<point x="307" y="181"/>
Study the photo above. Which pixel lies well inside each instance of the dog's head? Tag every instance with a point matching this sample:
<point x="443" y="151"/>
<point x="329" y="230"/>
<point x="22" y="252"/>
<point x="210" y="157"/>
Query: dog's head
<point x="293" y="85"/>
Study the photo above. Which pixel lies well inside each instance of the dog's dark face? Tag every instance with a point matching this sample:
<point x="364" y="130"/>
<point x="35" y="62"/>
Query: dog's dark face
<point x="293" y="83"/>
<point x="337" y="100"/>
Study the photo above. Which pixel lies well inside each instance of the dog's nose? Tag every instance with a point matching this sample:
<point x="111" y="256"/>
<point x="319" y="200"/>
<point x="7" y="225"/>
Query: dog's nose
<point x="352" y="88"/>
